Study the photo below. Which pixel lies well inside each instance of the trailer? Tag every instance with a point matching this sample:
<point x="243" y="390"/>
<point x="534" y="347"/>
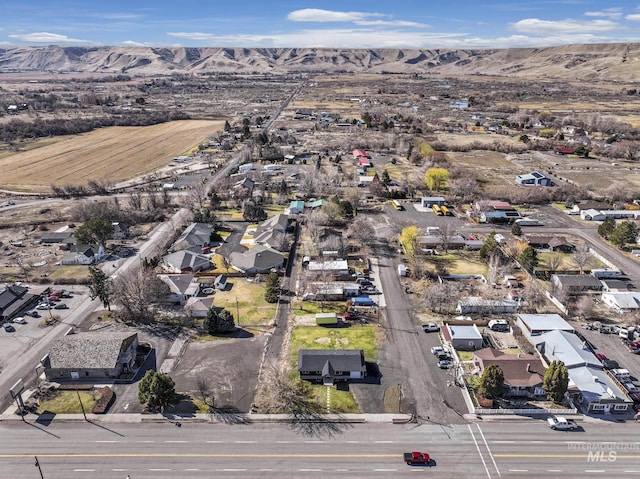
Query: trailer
<point x="402" y="270"/>
<point x="326" y="319"/>
<point x="363" y="301"/>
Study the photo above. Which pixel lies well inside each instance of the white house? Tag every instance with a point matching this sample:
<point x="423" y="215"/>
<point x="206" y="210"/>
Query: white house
<point x="622" y="301"/>
<point x="592" y="215"/>
<point x="84" y="255"/>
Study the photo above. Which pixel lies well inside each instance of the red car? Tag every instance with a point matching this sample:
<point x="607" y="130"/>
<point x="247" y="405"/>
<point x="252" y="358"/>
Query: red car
<point x="601" y="356"/>
<point x="417" y="458"/>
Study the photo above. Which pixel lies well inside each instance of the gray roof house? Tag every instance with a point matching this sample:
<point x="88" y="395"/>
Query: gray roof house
<point x="196" y="235"/>
<point x="259" y="259"/>
<point x="83" y="254"/>
<point x="185" y="262"/>
<point x="198" y="307"/>
<point x="328" y="366"/>
<point x="91" y="356"/>
<point x="273" y="232"/>
<point x="590" y="386"/>
<point x="182" y="286"/>
<point x="575" y="283"/>
<point x="57" y="237"/>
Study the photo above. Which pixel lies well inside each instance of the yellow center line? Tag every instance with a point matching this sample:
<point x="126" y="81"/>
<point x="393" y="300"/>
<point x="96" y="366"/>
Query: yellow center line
<point x="560" y="456"/>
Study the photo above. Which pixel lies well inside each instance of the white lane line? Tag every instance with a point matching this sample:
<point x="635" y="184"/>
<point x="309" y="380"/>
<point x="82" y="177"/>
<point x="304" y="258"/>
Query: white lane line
<point x="479" y="452"/>
<point x="518" y="470"/>
<point x="245" y="442"/>
<point x="554" y="470"/>
<point x="214" y="442"/>
<point x="342" y="470"/>
<point x="266" y="470"/>
<point x="353" y="442"/>
<point x="118" y="470"/>
<point x="537" y="442"/>
<point x="594" y="470"/>
<point x="284" y="442"/>
<point x="192" y="470"/>
<point x="234" y="470"/>
<point x="146" y="441"/>
<point x="383" y="442"/>
<point x="503" y="442"/>
<point x="309" y="470"/>
<point x="489" y="450"/>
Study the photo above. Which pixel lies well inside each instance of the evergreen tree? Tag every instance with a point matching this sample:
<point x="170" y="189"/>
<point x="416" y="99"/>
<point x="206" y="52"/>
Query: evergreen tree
<point x="556" y="381"/>
<point x="489" y="246"/>
<point x="529" y="258"/>
<point x="624" y="234"/>
<point x="100" y="286"/>
<point x="491" y="382"/>
<point x="156" y="390"/>
<point x="218" y="322"/>
<point x="272" y="288"/>
<point x="516" y="229"/>
<point x="606" y="227"/>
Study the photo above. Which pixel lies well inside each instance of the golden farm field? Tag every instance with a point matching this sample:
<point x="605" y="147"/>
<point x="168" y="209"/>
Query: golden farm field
<point x="109" y="154"/>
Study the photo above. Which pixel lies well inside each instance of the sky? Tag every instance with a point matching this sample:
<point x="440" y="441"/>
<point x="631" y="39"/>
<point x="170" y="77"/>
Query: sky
<point x="326" y="23"/>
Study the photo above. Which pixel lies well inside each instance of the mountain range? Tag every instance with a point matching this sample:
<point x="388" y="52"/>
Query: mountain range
<point x="614" y="62"/>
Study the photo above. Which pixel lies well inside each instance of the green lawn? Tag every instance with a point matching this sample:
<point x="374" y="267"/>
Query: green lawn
<point x="78" y="272"/>
<point x="340" y="402"/>
<point x="302" y="308"/>
<point x="316" y="337"/>
<point x="66" y="402"/>
<point x="249" y="299"/>
<point x="460" y="262"/>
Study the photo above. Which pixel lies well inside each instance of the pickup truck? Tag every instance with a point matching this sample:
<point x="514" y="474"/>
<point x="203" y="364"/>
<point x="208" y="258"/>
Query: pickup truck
<point x="412" y="458"/>
<point x="561" y="423"/>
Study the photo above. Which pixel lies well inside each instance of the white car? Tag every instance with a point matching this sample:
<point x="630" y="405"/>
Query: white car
<point x="430" y="327"/>
<point x="19" y="320"/>
<point x="437" y="350"/>
<point x="43" y="307"/>
<point x="561" y="423"/>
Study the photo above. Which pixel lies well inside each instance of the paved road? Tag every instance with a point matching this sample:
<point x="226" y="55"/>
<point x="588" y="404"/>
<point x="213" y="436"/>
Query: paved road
<point x="408" y="355"/>
<point x="198" y="450"/>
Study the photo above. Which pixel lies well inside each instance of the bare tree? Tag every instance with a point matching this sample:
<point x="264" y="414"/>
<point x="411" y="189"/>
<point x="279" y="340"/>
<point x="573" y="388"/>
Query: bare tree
<point x="554" y="261"/>
<point x="135" y="291"/>
<point x="581" y="257"/>
<point x="584" y="307"/>
<point x="205" y="393"/>
<point x="135" y="199"/>
<point x="361" y="230"/>
<point x="446" y="232"/>
<point x="198" y="195"/>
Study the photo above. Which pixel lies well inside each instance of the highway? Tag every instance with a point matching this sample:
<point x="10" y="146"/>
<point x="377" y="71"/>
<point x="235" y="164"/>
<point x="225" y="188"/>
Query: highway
<point x="274" y="450"/>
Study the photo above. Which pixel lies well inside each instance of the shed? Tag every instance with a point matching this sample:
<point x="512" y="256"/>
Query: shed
<point x="220" y="282"/>
<point x="465" y="338"/>
<point x="429" y="201"/>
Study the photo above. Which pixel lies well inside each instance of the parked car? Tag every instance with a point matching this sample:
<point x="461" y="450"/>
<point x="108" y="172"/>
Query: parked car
<point x="430" y="327"/>
<point x="601" y="356"/>
<point x="8" y="327"/>
<point x="61" y="306"/>
<point x="43" y="306"/>
<point x="437" y="349"/>
<point x="33" y="313"/>
<point x="444" y="355"/>
<point x="606" y="330"/>
<point x="499" y="325"/>
<point x="445" y="363"/>
<point x="19" y="320"/>
<point x="610" y="364"/>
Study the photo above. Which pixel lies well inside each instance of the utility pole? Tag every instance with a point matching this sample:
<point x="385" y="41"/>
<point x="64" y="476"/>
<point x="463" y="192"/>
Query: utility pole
<point x="37" y="464"/>
<point x="84" y="414"/>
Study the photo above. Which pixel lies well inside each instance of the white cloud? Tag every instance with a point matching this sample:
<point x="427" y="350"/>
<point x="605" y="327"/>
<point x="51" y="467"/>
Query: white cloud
<point x="46" y="37"/>
<point x="390" y="23"/>
<point x="543" y="27"/>
<point x="614" y="12"/>
<point x="633" y="17"/>
<point x="319" y="15"/>
<point x="131" y="43"/>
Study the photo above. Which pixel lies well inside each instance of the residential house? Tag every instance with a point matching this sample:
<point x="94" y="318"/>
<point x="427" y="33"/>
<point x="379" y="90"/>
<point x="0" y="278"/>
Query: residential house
<point x="478" y="305"/>
<point x="492" y="211"/>
<point x="259" y="259"/>
<point x="120" y="230"/>
<point x="315" y="204"/>
<point x="331" y="290"/>
<point x="622" y="301"/>
<point x="185" y="261"/>
<point x="295" y="207"/>
<point x="575" y="283"/>
<point x="273" y="232"/>
<point x="15" y="298"/>
<point x="328" y="366"/>
<point x="463" y="338"/>
<point x="181" y="287"/>
<point x="83" y="255"/>
<point x="94" y="356"/>
<point x="553" y="243"/>
<point x="57" y="237"/>
<point x="590" y="386"/>
<point x="365" y="181"/>
<point x="523" y="373"/>
<point x="195" y="237"/>
<point x="535" y="178"/>
<point x="198" y="307"/>
<point x="537" y="324"/>
<point x="360" y="154"/>
<point x="334" y="268"/>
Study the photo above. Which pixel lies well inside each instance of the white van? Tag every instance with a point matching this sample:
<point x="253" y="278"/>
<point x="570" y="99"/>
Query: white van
<point x="621" y="374"/>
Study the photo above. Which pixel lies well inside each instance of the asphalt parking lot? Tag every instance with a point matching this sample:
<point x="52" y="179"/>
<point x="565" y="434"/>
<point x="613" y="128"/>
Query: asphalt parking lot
<point x="611" y="345"/>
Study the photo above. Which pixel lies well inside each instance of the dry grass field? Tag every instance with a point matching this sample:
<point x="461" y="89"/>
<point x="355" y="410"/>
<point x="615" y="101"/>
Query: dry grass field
<point x="108" y="154"/>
